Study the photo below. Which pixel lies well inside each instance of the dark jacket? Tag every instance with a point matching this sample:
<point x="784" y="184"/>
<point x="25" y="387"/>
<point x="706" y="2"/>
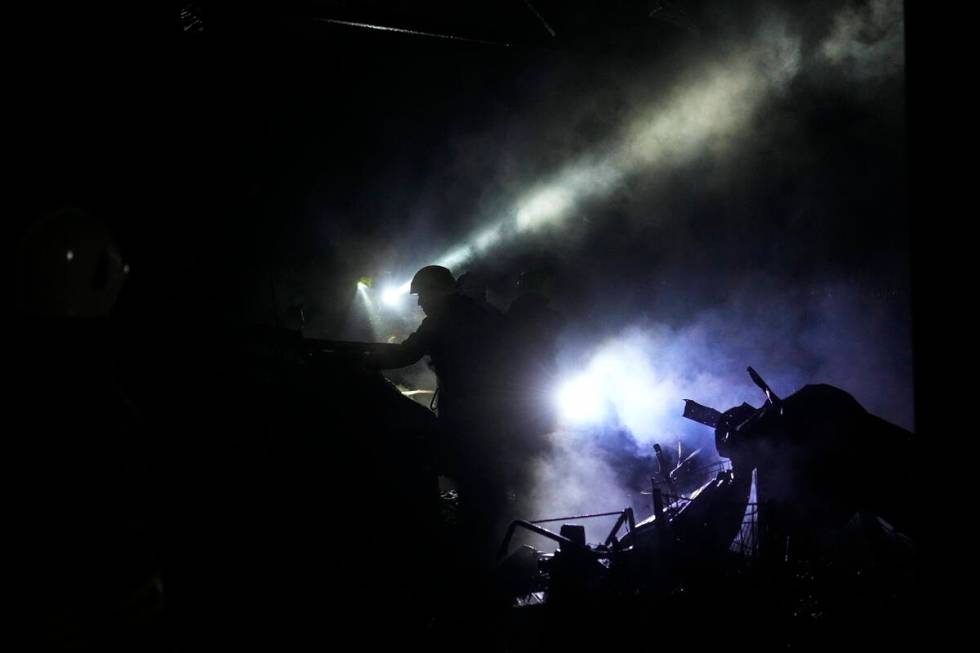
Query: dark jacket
<point x="465" y="343"/>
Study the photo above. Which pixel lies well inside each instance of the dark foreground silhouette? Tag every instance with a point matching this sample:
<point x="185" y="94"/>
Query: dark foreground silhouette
<point x="180" y="493"/>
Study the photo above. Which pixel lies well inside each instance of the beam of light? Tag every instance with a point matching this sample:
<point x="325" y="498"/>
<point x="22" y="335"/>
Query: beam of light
<point x="455" y="258"/>
<point x="544" y="206"/>
<point x="701" y="118"/>
<point x="695" y="120"/>
<point x="374" y="320"/>
<point x="488" y="238"/>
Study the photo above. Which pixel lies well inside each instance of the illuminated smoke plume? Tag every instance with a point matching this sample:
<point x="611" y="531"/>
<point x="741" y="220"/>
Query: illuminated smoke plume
<point x="833" y="330"/>
<point x="638" y="378"/>
<point x="695" y="119"/>
<point x="735" y="112"/>
<point x="867" y="41"/>
<point x="703" y="116"/>
<point x="370" y="310"/>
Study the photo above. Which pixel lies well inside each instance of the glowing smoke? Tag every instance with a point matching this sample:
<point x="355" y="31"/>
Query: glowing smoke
<point x="637" y="376"/>
<point x="632" y="385"/>
<point x="374" y="320"/>
<point x="867" y="41"/>
<point x="698" y="118"/>
<point x="694" y="119"/>
<point x="834" y="332"/>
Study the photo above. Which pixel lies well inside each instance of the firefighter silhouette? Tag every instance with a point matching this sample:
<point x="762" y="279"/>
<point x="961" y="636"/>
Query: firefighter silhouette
<point x="466" y="341"/>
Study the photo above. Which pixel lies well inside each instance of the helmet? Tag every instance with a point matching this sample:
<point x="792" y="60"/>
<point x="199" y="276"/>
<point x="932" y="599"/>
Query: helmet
<point x="433" y="279"/>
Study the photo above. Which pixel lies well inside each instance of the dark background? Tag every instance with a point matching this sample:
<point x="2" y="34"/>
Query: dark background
<point x="251" y="158"/>
<point x="273" y="145"/>
<point x="269" y="159"/>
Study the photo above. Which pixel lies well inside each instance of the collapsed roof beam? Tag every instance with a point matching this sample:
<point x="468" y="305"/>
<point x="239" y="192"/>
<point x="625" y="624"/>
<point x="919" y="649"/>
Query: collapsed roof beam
<point x="412" y="32"/>
<point x="541" y="19"/>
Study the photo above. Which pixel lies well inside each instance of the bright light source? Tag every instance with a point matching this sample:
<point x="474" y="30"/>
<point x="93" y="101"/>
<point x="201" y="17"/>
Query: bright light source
<point x="361" y="285"/>
<point x="391" y="297"/>
<point x="581" y="401"/>
<point x="620" y="383"/>
<point x="394" y="295"/>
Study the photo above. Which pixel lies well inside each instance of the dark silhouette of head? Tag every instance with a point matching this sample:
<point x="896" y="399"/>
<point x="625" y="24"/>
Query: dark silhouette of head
<point x="433" y="284"/>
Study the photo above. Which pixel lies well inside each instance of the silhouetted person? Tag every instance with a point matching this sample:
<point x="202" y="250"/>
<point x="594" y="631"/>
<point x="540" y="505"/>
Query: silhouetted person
<point x="470" y="284"/>
<point x="465" y="341"/>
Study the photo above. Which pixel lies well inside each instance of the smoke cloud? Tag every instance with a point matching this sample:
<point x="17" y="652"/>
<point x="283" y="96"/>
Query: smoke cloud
<point x="740" y="203"/>
<point x="836" y="334"/>
<point x="867" y="41"/>
<point x="846" y="327"/>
